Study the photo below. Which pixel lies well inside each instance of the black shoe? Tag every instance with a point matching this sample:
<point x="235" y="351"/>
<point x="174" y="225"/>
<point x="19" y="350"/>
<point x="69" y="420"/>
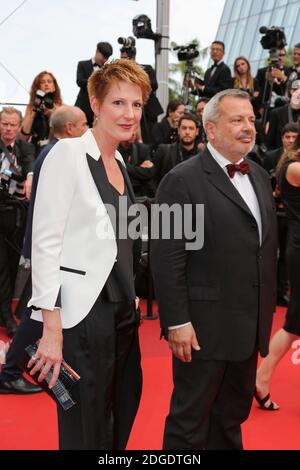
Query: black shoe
<point x="283" y="301"/>
<point x="20" y="386"/>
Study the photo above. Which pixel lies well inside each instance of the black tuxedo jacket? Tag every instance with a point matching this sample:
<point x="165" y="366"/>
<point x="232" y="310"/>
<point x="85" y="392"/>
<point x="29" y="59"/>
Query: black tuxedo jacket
<point x="227" y="288"/>
<point x="271" y="159"/>
<point x="279" y="117"/>
<point x="25" y="153"/>
<point x="264" y="89"/>
<point x="221" y="80"/>
<point x="84" y="70"/>
<point x="153" y="107"/>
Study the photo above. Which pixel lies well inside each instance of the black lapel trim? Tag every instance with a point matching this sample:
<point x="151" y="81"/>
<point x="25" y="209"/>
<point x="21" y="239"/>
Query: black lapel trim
<point x="127" y="180"/>
<point x="101" y="181"/>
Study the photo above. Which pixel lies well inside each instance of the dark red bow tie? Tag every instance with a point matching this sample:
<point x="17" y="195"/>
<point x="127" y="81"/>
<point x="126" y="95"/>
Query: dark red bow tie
<point x="243" y="167"/>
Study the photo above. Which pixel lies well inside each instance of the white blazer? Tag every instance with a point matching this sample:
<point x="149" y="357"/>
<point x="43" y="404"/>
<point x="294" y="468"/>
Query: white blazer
<point x="73" y="242"/>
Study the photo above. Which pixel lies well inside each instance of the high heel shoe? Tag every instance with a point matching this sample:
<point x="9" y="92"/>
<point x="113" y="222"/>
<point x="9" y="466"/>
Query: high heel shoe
<point x="262" y="402"/>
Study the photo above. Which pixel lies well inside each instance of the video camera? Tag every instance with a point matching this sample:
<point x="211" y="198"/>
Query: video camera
<point x="42" y="100"/>
<point x="6" y="176"/>
<point x="128" y="46"/>
<point x="187" y="53"/>
<point x="273" y="40"/>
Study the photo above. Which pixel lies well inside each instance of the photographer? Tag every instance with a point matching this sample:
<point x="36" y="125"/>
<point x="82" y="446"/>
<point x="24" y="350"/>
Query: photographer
<point x="275" y="74"/>
<point x="85" y="68"/>
<point x="218" y="76"/>
<point x="152" y="108"/>
<point x="16" y="159"/>
<point x="45" y="97"/>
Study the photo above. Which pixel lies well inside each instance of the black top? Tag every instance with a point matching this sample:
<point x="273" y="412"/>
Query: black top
<point x="120" y="285"/>
<point x="291" y="199"/>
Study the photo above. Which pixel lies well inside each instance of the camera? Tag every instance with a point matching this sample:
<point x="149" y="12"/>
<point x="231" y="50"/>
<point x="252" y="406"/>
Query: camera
<point x="127" y="42"/>
<point x="128" y="47"/>
<point x="187" y="53"/>
<point x="43" y="99"/>
<point x="274" y="38"/>
<point x="6" y="176"/>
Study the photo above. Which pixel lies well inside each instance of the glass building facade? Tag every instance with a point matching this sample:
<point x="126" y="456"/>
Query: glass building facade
<point x="240" y="23"/>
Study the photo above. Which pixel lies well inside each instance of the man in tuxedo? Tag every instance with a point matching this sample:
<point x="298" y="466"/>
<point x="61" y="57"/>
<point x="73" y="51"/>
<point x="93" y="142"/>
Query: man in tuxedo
<point x="65" y="122"/>
<point x="85" y="68"/>
<point x="272" y="79"/>
<point x="279" y="117"/>
<point x="294" y="71"/>
<point x="218" y="76"/>
<point x="216" y="301"/>
<point x="18" y="157"/>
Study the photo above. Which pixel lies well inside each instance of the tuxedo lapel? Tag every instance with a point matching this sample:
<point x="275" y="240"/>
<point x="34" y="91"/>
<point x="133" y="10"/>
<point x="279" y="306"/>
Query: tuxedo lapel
<point x="127" y="180"/>
<point x="220" y="180"/>
<point x="258" y="186"/>
<point x="101" y="181"/>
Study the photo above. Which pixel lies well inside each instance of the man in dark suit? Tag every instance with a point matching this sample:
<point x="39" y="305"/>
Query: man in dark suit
<point x="169" y="155"/>
<point x="85" y="68"/>
<point x="216" y="293"/>
<point x="279" y="117"/>
<point x="18" y="157"/>
<point x="66" y="121"/>
<point x="272" y="79"/>
<point x="218" y="76"/>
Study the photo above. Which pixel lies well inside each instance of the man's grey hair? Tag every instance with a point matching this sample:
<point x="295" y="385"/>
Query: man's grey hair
<point x="61" y="116"/>
<point x="211" y="110"/>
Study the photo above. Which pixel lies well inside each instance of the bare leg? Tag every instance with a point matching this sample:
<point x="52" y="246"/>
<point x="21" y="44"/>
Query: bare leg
<point x="279" y="345"/>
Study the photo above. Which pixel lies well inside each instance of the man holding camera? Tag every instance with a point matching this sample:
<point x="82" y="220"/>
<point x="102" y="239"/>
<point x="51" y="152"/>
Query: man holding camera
<point x="16" y="166"/>
<point x="153" y="108"/>
<point x="85" y="68"/>
<point x="273" y="79"/>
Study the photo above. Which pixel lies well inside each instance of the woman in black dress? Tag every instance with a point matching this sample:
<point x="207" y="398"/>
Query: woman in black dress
<point x="288" y="172"/>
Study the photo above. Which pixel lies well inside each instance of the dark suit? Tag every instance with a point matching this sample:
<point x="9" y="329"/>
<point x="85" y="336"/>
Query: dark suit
<point x="218" y="81"/>
<point x="279" y="117"/>
<point x="84" y="70"/>
<point x="12" y="225"/>
<point x="169" y="155"/>
<point x="141" y="178"/>
<point x="271" y="159"/>
<point x="152" y="108"/>
<point x="265" y="86"/>
<point x="226" y="290"/>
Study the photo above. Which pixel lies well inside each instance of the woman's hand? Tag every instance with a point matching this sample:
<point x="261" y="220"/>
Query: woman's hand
<point x="49" y="353"/>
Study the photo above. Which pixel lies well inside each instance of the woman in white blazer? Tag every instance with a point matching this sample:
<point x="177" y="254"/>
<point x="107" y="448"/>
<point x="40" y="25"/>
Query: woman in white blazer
<point x="82" y="269"/>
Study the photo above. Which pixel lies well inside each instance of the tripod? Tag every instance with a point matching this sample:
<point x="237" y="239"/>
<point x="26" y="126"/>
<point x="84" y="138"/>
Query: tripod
<point x="188" y="86"/>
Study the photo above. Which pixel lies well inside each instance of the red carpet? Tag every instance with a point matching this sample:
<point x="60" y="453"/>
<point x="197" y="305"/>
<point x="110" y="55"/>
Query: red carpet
<point x="30" y="422"/>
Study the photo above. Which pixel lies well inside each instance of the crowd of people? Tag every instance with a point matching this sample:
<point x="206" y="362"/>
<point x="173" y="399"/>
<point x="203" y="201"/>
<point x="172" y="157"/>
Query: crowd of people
<point x="60" y="164"/>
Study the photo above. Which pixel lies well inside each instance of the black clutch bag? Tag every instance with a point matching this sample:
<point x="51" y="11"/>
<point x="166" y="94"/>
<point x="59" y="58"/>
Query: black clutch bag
<point x="67" y="379"/>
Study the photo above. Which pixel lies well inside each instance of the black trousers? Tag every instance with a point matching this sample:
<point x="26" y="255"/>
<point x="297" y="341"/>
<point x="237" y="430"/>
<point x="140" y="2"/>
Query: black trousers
<point x="99" y="349"/>
<point x="210" y="401"/>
